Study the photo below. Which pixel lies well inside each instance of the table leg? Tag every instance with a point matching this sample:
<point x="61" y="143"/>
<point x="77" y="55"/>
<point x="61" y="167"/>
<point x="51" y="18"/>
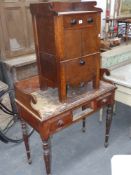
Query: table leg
<point x="26" y="140"/>
<point x="101" y="115"/>
<point x="126" y="32"/>
<point x="101" y="112"/>
<point x="83" y="125"/>
<point x="108" y="123"/>
<point x="47" y="156"/>
<point x="114" y="108"/>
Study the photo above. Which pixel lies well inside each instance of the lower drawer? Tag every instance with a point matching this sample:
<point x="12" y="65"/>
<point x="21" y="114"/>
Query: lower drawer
<point x="82" y="69"/>
<point x="104" y="100"/>
<point x="60" y="122"/>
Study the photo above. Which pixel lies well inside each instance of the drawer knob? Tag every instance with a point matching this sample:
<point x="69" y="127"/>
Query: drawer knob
<point x="73" y="21"/>
<point x="104" y="100"/>
<point x="90" y="20"/>
<point x="60" y="123"/>
<point x="82" y="62"/>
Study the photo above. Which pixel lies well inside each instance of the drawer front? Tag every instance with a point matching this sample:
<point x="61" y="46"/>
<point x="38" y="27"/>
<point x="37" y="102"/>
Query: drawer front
<point x="82" y="70"/>
<point x="79" y="20"/>
<point x="104" y="100"/>
<point x="60" y="122"/>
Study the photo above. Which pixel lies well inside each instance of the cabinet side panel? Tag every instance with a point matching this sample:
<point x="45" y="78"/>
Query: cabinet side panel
<point x="48" y="66"/>
<point x="45" y="29"/>
<point x="45" y="48"/>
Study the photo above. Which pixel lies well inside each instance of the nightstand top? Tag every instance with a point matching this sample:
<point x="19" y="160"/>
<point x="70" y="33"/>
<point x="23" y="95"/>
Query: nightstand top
<point x="63" y="8"/>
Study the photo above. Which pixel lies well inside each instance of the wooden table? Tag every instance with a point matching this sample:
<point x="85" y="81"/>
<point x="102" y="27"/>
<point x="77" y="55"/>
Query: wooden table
<point x="125" y="20"/>
<point x="120" y="75"/>
<point x="43" y="111"/>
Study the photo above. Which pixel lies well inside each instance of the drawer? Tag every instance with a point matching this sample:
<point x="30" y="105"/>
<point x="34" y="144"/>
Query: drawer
<point x="104" y="100"/>
<point x="60" y="122"/>
<point x="82" y="70"/>
<point x="79" y="20"/>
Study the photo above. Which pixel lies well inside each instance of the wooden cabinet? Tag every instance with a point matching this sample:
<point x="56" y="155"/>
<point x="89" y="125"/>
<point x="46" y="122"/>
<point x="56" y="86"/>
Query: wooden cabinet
<point x="67" y="36"/>
<point x="16" y="34"/>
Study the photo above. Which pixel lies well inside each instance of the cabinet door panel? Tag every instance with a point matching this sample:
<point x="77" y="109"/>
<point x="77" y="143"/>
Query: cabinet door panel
<point x="72" y="44"/>
<point x="30" y="38"/>
<point x="90" y="40"/>
<point x="14" y="31"/>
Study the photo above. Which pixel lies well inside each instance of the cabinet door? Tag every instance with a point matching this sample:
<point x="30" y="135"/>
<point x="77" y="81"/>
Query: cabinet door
<point x="82" y="69"/>
<point x="16" y="29"/>
<point x="72" y="43"/>
<point x="90" y="40"/>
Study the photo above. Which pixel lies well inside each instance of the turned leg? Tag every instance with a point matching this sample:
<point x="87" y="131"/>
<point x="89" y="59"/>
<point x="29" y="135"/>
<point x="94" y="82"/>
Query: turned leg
<point x="108" y="123"/>
<point x="101" y="115"/>
<point x="114" y="109"/>
<point x="47" y="156"/>
<point x="102" y="110"/>
<point x="26" y="140"/>
<point x="83" y="125"/>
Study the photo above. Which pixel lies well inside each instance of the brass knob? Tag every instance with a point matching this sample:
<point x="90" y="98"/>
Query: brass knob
<point x="82" y="62"/>
<point x="60" y="123"/>
<point x="73" y="21"/>
<point x="90" y="20"/>
<point x="104" y="100"/>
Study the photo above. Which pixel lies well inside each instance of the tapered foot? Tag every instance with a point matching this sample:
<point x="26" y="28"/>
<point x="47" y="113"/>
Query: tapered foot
<point x="47" y="156"/>
<point x="84" y="125"/>
<point x="26" y="140"/>
<point x="106" y="145"/>
<point x="29" y="161"/>
<point x="109" y="115"/>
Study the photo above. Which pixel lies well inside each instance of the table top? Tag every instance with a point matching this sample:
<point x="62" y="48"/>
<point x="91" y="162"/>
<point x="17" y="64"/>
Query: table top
<point x="121" y="75"/>
<point x="123" y="19"/>
<point x="75" y="12"/>
<point x="47" y="103"/>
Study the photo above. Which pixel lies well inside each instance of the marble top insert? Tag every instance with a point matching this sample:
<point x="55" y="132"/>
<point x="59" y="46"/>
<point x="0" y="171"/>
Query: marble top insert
<point x="48" y="103"/>
<point x="121" y="75"/>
